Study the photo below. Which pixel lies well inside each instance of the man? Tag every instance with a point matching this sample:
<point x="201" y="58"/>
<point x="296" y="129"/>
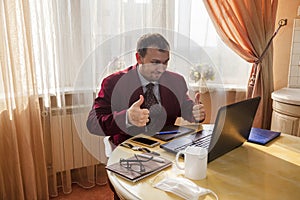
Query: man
<point x="143" y="98"/>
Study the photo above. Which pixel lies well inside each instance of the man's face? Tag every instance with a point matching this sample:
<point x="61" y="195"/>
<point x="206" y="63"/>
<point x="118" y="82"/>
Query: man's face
<point x="154" y="64"/>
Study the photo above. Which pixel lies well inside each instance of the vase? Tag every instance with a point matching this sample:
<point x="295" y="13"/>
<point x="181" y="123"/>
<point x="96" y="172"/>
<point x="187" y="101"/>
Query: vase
<point x="202" y="86"/>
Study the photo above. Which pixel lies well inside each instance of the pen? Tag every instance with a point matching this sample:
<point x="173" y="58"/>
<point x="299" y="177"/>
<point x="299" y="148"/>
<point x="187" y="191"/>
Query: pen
<point x="153" y="158"/>
<point x="167" y="132"/>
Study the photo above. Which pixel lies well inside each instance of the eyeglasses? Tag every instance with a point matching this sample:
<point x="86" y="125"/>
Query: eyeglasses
<point x="135" y="165"/>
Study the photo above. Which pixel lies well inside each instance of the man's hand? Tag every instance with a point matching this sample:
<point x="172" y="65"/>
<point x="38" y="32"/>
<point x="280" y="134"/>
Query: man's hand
<point x="198" y="109"/>
<point x="136" y="115"/>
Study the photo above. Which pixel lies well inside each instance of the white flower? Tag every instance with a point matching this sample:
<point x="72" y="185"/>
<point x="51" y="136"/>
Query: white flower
<point x="204" y="71"/>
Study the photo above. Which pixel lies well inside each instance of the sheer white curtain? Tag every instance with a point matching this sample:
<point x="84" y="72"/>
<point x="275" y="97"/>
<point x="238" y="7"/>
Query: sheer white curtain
<point x="62" y="40"/>
<point x="95" y="38"/>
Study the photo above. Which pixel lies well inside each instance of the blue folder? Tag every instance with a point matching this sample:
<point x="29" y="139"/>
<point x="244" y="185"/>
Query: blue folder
<point x="262" y="136"/>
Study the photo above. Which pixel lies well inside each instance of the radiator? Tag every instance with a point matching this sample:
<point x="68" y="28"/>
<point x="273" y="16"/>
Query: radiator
<point x="68" y="144"/>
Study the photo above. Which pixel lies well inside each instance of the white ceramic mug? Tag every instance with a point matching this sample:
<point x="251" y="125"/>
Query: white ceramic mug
<point x="195" y="162"/>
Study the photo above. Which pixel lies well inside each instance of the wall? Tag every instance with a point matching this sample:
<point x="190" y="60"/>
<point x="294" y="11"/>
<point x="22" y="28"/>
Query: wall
<point x="294" y="70"/>
<point x="282" y="42"/>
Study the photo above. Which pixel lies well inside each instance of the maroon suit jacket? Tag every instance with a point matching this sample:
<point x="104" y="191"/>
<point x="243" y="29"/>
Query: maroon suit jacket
<point x="121" y="89"/>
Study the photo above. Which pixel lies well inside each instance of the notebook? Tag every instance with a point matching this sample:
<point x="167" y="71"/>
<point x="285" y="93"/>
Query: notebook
<point x="171" y="132"/>
<point x="134" y="171"/>
<point x="262" y="136"/>
<point x="231" y="129"/>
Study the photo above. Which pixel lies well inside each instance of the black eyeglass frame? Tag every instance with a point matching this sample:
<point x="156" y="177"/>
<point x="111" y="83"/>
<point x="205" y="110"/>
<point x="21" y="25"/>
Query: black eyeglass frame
<point x="128" y="163"/>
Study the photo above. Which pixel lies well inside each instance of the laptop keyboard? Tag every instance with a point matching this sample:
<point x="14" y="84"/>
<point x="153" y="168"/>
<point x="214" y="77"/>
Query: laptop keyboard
<point x="201" y="138"/>
<point x="201" y="142"/>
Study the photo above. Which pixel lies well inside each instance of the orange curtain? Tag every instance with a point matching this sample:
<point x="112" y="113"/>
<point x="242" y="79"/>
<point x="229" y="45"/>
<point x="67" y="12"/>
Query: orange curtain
<point x="246" y="27"/>
<point x="23" y="173"/>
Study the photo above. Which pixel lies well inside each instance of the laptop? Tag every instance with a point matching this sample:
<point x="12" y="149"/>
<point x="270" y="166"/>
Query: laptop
<point x="231" y="129"/>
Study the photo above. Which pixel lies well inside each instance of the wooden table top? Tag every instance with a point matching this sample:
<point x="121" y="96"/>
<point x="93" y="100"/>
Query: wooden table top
<point x="250" y="171"/>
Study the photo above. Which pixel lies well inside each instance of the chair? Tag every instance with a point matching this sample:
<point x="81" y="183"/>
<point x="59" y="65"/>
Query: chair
<point x="107" y="146"/>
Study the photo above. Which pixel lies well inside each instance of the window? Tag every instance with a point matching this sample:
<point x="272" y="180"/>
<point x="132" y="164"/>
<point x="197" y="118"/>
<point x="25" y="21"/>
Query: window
<point x="75" y="42"/>
<point x="232" y="68"/>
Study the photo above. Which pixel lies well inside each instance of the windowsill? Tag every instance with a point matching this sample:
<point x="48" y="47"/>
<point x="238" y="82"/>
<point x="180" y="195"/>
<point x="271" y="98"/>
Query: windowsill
<point x="67" y="91"/>
<point x="192" y="86"/>
<point x="217" y="87"/>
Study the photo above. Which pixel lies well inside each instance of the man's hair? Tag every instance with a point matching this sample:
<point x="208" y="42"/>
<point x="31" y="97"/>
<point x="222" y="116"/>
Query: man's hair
<point x="152" y="40"/>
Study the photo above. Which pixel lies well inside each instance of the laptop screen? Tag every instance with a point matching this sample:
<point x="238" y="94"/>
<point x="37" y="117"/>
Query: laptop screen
<point x="232" y="126"/>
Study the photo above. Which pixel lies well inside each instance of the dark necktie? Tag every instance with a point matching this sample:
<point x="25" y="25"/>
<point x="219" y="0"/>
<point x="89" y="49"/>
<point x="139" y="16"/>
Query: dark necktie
<point x="150" y="98"/>
<point x="151" y="103"/>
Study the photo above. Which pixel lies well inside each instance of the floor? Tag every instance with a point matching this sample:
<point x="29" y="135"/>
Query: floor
<point x="96" y="193"/>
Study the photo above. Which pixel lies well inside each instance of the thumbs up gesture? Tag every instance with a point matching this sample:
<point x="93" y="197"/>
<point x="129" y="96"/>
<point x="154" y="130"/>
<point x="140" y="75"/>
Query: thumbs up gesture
<point x="136" y="115"/>
<point x="198" y="109"/>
